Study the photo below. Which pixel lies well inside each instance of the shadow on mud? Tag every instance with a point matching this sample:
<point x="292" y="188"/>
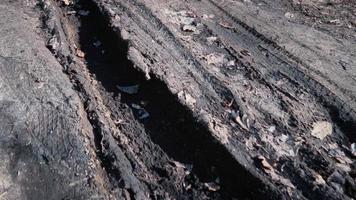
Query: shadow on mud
<point x="170" y="124"/>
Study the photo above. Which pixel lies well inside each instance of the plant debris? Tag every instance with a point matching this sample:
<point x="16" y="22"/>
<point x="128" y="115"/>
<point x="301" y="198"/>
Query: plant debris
<point x="80" y="53"/>
<point x="321" y="129"/>
<point x="212" y="186"/>
<point x="67" y="2"/>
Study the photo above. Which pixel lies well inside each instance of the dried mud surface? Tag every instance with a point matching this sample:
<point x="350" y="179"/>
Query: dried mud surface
<point x="157" y="99"/>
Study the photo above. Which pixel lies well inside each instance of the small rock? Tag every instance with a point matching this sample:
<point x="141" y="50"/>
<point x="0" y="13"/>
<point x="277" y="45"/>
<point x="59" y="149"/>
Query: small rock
<point x="187" y="186"/>
<point x="289" y="15"/>
<point x="321" y="129"/>
<point x="211" y="16"/>
<point x="207" y="17"/>
<point x="230" y="63"/>
<point x="271" y="129"/>
<point x="319" y="180"/>
<point x="335" y="21"/>
<point x="211" y="40"/>
<point x="187" y="98"/>
<point x="53" y="43"/>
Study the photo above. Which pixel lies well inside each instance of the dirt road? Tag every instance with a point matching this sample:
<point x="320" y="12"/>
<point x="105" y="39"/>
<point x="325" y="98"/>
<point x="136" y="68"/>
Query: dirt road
<point x="201" y="99"/>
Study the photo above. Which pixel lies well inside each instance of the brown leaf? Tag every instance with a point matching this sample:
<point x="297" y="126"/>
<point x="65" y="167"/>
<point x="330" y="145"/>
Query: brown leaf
<point x="67" y="2"/>
<point x="321" y="129"/>
<point x="80" y="53"/>
<point x="264" y="163"/>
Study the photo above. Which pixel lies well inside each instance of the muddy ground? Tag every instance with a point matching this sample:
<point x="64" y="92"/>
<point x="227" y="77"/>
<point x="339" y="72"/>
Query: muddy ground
<point x="168" y="99"/>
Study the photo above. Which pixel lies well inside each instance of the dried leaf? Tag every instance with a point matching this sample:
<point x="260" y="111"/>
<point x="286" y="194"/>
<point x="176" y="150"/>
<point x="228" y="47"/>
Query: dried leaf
<point x="67" y="2"/>
<point x="264" y="163"/>
<point x="268" y="169"/>
<point x="319" y="179"/>
<point x="321" y="129"/>
<point x="238" y="120"/>
<point x="80" y="53"/>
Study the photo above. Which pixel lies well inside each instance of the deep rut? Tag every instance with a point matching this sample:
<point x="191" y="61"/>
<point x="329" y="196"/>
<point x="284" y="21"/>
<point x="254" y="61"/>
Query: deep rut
<point x="169" y="125"/>
<point x="150" y="145"/>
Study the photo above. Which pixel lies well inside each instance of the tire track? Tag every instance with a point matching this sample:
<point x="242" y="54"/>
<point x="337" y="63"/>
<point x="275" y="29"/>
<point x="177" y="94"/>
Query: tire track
<point x="342" y="113"/>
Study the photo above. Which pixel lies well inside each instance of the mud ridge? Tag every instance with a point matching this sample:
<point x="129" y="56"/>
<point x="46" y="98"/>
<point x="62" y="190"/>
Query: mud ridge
<point x="342" y="114"/>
